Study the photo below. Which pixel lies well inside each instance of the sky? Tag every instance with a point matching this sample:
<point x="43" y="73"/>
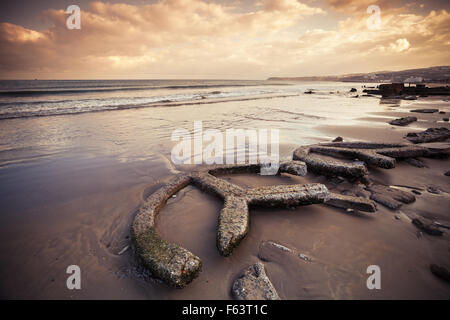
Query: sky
<point x="227" y="39"/>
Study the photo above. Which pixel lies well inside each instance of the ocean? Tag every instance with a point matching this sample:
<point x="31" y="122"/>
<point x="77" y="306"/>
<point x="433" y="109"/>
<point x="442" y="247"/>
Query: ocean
<point x="25" y="98"/>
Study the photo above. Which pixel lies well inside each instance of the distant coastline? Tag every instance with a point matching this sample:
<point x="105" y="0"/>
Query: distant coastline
<point x="439" y="74"/>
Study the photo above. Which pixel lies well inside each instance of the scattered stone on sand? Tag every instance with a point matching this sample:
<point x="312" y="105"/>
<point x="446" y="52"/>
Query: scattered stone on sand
<point x="445" y="119"/>
<point x="433" y="189"/>
<point x="447" y="173"/>
<point x="415" y="162"/>
<point x="350" y="202"/>
<point x="440" y="272"/>
<point x="391" y="198"/>
<point x="403" y="121"/>
<point x="429" y="135"/>
<point x="338" y="139"/>
<point x="304" y="257"/>
<point x="274" y="252"/>
<point x="253" y="284"/>
<point x="427" y="227"/>
<point x="441" y="225"/>
<point x="271" y="251"/>
<point x="425" y="110"/>
<point x="293" y="167"/>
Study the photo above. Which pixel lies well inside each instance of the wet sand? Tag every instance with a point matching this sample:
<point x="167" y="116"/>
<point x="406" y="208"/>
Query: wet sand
<point x="79" y="211"/>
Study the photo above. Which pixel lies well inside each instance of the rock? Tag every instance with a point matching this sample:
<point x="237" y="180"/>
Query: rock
<point x="353" y="90"/>
<point x="416" y="192"/>
<point x="440" y="272"/>
<point x="442" y="112"/>
<point x="425" y="110"/>
<point x="445" y="119"/>
<point x="338" y="139"/>
<point x="447" y="173"/>
<point x="403" y="121"/>
<point x="253" y="284"/>
<point x="294" y="167"/>
<point x="442" y="225"/>
<point x="415" y="162"/>
<point x="426" y="227"/>
<point x="390" y="197"/>
<point x="433" y="189"/>
<point x="350" y="202"/>
<point x="429" y="135"/>
<point x="271" y="251"/>
<point x="309" y="92"/>
<point x="304" y="257"/>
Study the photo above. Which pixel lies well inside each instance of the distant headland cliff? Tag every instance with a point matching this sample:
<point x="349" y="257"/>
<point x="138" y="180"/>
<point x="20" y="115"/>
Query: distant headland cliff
<point x="439" y="74"/>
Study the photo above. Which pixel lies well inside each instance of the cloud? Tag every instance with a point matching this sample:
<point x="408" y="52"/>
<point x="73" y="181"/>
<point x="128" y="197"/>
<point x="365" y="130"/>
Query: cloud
<point x="195" y="38"/>
<point x="400" y="45"/>
<point x="355" y="6"/>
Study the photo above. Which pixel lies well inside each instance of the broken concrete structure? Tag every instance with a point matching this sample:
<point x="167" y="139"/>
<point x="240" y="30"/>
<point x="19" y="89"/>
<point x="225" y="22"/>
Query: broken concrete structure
<point x="178" y="267"/>
<point x="351" y="159"/>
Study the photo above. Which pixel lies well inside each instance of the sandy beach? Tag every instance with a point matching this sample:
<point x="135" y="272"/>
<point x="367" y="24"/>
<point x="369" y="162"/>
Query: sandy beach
<point x="71" y="186"/>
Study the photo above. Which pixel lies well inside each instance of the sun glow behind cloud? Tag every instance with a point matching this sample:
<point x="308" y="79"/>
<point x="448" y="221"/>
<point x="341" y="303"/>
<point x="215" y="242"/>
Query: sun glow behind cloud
<point x="200" y="39"/>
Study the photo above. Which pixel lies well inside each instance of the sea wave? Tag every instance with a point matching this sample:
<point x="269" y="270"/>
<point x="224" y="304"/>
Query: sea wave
<point x="97" y="89"/>
<point x="66" y="107"/>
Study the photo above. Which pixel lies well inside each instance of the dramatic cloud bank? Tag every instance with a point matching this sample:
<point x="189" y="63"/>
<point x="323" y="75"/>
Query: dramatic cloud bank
<point x="200" y="39"/>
